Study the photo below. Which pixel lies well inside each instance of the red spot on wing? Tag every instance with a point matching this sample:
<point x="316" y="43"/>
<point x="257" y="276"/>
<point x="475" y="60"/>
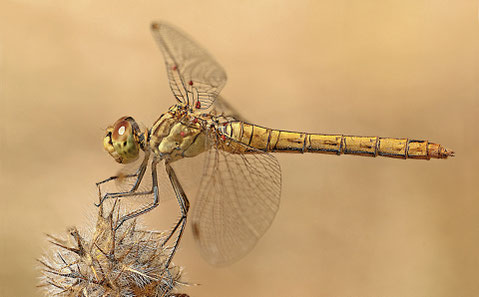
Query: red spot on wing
<point x="174" y="67"/>
<point x="225" y="124"/>
<point x="182" y="134"/>
<point x="223" y="137"/>
<point x="190" y="82"/>
<point x="198" y="105"/>
<point x="195" y="120"/>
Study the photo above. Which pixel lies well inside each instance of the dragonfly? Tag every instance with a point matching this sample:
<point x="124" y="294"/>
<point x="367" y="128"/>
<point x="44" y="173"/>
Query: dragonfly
<point x="240" y="189"/>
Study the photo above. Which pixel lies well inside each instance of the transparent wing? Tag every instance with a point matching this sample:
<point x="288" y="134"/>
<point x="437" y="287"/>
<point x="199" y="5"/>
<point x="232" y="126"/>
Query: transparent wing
<point x="195" y="77"/>
<point x="237" y="201"/>
<point x="221" y="107"/>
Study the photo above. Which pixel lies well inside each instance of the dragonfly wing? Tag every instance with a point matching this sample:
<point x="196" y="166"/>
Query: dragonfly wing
<point x="221" y="107"/>
<point x="237" y="201"/>
<point x="195" y="77"/>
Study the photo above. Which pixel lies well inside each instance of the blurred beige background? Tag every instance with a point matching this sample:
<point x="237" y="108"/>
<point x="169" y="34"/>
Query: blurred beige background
<point x="348" y="226"/>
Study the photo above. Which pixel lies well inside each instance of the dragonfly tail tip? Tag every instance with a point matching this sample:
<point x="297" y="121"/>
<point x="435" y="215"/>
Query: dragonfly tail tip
<point x="450" y="153"/>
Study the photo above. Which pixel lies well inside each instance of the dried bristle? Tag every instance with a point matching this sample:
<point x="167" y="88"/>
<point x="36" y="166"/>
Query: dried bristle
<point x="115" y="263"/>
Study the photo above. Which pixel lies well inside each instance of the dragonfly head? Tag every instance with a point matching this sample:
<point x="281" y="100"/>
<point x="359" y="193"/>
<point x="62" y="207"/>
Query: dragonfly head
<point x="123" y="140"/>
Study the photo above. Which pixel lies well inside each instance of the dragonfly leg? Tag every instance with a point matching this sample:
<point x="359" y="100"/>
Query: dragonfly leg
<point x="139" y="174"/>
<point x="184" y="207"/>
<point x="154" y="190"/>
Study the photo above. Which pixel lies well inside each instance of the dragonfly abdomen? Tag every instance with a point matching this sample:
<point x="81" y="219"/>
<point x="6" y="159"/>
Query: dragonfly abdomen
<point x="273" y="140"/>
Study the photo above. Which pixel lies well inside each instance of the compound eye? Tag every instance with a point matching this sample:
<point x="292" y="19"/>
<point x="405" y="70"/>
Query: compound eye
<point x="121" y="130"/>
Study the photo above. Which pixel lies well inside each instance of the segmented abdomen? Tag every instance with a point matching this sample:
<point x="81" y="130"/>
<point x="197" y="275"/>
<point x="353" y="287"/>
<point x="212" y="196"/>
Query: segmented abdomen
<point x="272" y="140"/>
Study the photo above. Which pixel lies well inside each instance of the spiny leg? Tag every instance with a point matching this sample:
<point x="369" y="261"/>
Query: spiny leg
<point x="140" y="173"/>
<point x="141" y="170"/>
<point x="154" y="190"/>
<point x="184" y="207"/>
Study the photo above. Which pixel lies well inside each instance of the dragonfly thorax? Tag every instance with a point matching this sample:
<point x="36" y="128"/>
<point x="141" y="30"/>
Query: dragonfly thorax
<point x="123" y="140"/>
<point x="177" y="134"/>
